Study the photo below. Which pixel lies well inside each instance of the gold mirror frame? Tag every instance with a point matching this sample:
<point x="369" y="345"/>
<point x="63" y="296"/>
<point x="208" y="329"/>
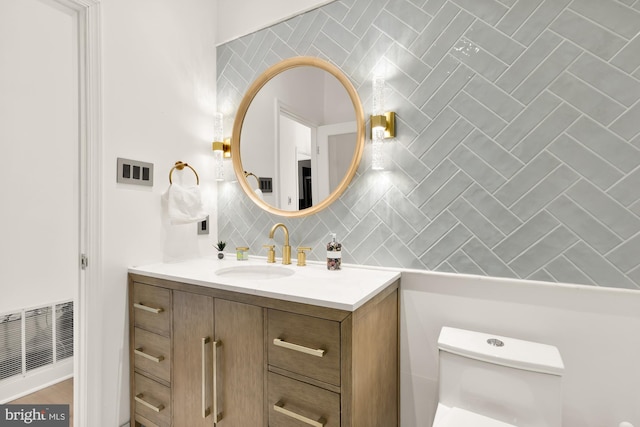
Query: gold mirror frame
<point x="242" y="111"/>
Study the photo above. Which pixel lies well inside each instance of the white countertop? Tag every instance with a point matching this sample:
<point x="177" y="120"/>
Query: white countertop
<point x="345" y="289"/>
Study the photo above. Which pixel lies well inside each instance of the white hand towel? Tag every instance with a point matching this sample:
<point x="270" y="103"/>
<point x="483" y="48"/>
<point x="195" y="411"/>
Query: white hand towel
<point x="259" y="193"/>
<point x="183" y="204"/>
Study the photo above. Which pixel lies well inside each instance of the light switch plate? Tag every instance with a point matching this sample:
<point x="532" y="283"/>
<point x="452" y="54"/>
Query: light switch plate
<point x="134" y="172"/>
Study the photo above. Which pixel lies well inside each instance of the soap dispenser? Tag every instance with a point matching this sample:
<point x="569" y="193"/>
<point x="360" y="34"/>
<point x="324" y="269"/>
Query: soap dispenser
<point x="334" y="254"/>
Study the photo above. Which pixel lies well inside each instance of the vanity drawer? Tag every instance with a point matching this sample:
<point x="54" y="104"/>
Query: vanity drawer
<point x="152" y="354"/>
<point x="305" y="345"/>
<point x="152" y="400"/>
<point x="290" y="399"/>
<point x="152" y="308"/>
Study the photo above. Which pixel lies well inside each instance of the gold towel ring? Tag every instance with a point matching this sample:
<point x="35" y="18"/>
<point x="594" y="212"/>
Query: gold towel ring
<point x="248" y="174"/>
<point x="181" y="165"/>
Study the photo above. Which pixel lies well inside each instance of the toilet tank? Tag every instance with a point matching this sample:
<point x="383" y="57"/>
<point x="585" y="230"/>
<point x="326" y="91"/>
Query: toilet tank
<point x="507" y="379"/>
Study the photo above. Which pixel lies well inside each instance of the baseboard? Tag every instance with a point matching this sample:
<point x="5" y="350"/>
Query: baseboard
<point x="15" y="388"/>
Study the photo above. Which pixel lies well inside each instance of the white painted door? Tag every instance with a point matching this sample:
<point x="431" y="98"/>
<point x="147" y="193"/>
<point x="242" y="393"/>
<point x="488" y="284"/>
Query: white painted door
<point x="294" y="144"/>
<point x="336" y="147"/>
<point x="39" y="154"/>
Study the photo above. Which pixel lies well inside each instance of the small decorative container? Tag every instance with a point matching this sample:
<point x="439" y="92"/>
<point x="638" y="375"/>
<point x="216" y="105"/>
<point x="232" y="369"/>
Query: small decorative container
<point x="242" y="253"/>
<point x="220" y="247"/>
<point x="334" y="254"/>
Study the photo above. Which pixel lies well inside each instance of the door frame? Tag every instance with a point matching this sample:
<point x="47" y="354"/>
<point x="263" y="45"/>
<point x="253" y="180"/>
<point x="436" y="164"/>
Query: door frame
<point x="87" y="393"/>
<point x="282" y="109"/>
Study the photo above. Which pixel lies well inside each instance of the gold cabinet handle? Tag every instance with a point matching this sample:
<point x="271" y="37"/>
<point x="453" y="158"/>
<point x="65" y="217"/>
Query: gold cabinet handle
<point x="140" y="352"/>
<point x="279" y="407"/>
<point x="306" y="350"/>
<point x="217" y="415"/>
<point x="139" y="399"/>
<point x="205" y="409"/>
<point x="149" y="309"/>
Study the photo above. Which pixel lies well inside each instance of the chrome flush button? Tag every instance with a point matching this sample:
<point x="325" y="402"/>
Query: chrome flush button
<point x="495" y="342"/>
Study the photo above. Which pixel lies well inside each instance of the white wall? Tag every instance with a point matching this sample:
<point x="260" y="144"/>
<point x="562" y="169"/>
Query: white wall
<point x="240" y="17"/>
<point x="158" y="67"/>
<point x="597" y="331"/>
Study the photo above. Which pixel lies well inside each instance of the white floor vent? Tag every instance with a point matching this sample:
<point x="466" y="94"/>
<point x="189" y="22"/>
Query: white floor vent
<point x="35" y="338"/>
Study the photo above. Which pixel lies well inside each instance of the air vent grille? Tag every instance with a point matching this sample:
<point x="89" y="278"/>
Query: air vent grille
<point x="27" y="338"/>
<point x="10" y="345"/>
<point x="64" y="330"/>
<point x="38" y="338"/>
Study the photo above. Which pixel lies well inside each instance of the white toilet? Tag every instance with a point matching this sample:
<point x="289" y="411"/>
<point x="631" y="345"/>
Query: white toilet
<point x="493" y="381"/>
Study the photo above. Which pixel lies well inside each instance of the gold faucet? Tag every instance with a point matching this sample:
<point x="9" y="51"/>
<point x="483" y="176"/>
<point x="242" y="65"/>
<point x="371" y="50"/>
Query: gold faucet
<point x="286" y="249"/>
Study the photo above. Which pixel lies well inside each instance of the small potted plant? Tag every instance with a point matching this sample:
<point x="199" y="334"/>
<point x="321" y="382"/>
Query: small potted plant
<point x="220" y="247"/>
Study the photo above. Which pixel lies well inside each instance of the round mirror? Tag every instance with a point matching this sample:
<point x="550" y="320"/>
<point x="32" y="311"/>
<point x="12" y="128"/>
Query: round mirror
<point x="298" y="137"/>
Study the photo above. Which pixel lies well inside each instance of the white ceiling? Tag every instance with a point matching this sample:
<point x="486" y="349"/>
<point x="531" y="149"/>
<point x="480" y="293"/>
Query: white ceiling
<point x="237" y="18"/>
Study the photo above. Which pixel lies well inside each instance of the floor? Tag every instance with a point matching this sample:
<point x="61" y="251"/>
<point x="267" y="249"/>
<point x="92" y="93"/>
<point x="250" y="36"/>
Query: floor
<point x="60" y="393"/>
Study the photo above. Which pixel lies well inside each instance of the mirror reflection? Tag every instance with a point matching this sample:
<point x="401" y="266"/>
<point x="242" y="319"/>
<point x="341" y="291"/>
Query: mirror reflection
<point x="300" y="139"/>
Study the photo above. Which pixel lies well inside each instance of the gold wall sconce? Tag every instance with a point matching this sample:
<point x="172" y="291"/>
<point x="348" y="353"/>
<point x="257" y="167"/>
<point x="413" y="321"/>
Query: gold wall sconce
<point x="221" y="147"/>
<point x="383" y="124"/>
<point x="224" y="146"/>
<point x="386" y="122"/>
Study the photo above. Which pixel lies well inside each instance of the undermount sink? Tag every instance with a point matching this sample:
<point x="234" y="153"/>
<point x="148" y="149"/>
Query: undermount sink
<point x="255" y="272"/>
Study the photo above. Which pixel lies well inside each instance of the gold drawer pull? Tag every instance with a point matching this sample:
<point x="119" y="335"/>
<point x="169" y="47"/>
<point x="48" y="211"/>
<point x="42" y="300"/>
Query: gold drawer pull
<point x="217" y="416"/>
<point x="140" y="352"/>
<point x="149" y="309"/>
<point x="279" y="407"/>
<point x="205" y="410"/>
<point x="306" y="350"/>
<point x="139" y="399"/>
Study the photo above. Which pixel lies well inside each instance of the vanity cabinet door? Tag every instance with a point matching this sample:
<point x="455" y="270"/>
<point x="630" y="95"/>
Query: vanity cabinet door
<point x="240" y="364"/>
<point x="228" y="387"/>
<point x="192" y="376"/>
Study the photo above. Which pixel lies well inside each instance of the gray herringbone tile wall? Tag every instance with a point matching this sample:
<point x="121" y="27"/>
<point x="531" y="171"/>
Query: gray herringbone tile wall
<point x="518" y="147"/>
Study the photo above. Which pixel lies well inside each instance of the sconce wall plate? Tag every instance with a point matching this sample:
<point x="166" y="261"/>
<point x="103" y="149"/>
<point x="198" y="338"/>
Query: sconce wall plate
<point x="224" y="146"/>
<point x="386" y="121"/>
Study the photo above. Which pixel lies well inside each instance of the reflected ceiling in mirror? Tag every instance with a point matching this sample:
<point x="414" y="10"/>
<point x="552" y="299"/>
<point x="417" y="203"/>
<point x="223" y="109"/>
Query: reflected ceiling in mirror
<point x="300" y="130"/>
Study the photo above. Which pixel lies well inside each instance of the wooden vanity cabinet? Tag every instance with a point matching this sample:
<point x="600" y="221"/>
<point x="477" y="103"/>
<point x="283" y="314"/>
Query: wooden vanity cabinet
<point x="265" y="362"/>
<point x="228" y="336"/>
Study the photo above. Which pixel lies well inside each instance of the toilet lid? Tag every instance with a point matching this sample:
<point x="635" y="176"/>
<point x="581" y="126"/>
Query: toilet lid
<point x="457" y="417"/>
